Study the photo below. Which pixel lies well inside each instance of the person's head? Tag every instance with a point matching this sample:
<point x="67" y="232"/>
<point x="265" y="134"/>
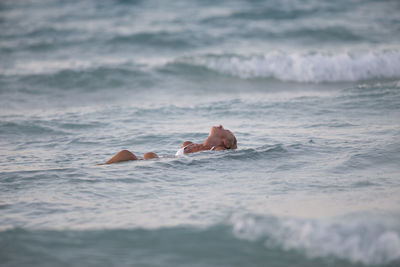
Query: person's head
<point x="219" y="136"/>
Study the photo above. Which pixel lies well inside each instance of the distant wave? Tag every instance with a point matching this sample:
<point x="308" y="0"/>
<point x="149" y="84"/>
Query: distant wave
<point x="27" y="128"/>
<point x="163" y="39"/>
<point x="312" y="67"/>
<point x="305" y="67"/>
<point x="40" y="67"/>
<point x="45" y="76"/>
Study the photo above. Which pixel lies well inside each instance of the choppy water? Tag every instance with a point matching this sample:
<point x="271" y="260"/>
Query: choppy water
<point x="310" y="88"/>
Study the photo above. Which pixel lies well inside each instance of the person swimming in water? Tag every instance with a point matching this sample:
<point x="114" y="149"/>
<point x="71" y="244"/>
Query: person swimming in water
<point x="218" y="139"/>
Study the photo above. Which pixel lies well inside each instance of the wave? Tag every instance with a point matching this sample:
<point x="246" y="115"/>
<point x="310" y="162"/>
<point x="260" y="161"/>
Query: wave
<point x="43" y="67"/>
<point x="89" y="77"/>
<point x="314" y="67"/>
<point x="27" y="128"/>
<point x="243" y="240"/>
<point x="368" y="242"/>
<point x="268" y="151"/>
<point x="309" y="67"/>
<point x="40" y="127"/>
<point x="159" y="40"/>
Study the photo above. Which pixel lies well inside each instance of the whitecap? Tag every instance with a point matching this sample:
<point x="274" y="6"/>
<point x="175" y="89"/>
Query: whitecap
<point x="368" y="242"/>
<point x="305" y="66"/>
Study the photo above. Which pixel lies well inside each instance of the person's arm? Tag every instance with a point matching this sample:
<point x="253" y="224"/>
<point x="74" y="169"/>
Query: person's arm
<point x="123" y="155"/>
<point x="193" y="148"/>
<point x="186" y="143"/>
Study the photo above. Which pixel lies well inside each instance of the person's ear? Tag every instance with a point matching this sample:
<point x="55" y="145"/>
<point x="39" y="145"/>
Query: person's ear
<point x="226" y="143"/>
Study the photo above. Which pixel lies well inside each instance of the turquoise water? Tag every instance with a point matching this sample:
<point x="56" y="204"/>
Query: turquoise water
<point x="311" y="89"/>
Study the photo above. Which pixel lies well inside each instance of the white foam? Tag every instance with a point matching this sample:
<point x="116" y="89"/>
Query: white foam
<point x="36" y="67"/>
<point x="307" y="66"/>
<point x="366" y="242"/>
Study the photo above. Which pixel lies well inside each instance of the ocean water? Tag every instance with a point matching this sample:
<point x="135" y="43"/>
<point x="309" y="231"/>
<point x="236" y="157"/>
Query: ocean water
<point x="310" y="88"/>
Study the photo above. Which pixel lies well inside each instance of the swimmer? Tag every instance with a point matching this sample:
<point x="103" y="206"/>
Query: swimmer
<point x="218" y="139"/>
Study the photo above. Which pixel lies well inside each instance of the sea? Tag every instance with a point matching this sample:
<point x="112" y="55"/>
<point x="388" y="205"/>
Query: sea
<point x="310" y="88"/>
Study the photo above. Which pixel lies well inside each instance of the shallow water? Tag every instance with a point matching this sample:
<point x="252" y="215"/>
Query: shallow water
<point x="311" y="89"/>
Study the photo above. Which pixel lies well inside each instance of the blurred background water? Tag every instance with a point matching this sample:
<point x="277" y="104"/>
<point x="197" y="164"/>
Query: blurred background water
<point x="310" y="88"/>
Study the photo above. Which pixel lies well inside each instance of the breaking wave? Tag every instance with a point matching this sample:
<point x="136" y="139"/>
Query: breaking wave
<point x="369" y="242"/>
<point x="305" y="67"/>
<point x="245" y="240"/>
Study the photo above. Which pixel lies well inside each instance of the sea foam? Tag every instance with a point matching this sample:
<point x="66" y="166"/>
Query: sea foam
<point x="305" y="66"/>
<point x="368" y="242"/>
